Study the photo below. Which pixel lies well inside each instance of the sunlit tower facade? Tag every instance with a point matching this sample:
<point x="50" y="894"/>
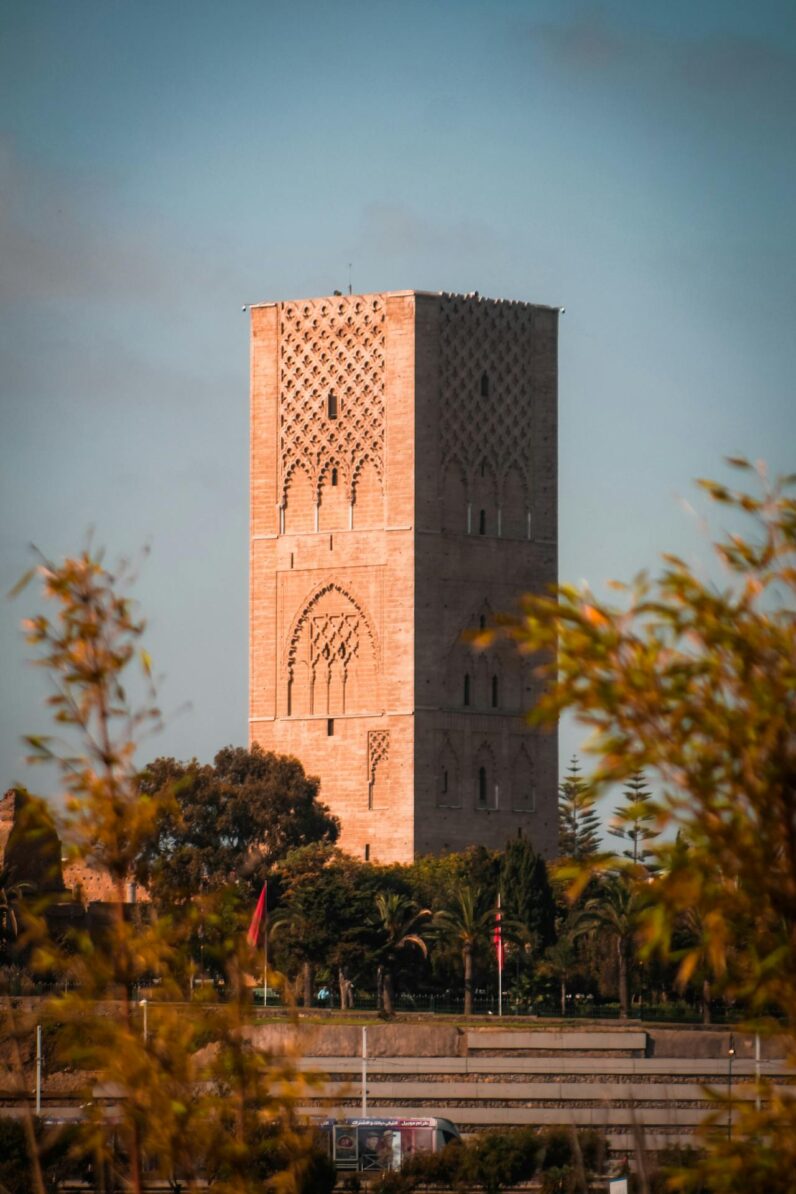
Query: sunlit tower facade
<point x="403" y="491"/>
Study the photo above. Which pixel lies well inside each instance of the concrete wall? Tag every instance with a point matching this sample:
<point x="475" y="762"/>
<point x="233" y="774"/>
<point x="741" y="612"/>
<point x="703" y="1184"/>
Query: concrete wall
<point x="651" y="1080"/>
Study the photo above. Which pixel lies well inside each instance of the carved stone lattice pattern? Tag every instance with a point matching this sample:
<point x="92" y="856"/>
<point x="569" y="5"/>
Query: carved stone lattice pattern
<point x="378" y="750"/>
<point x="331" y="347"/>
<point x="486" y="341"/>
<point x="334" y="641"/>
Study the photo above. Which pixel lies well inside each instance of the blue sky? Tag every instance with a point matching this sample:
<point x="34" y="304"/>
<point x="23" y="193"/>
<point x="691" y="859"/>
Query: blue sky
<point x="163" y="164"/>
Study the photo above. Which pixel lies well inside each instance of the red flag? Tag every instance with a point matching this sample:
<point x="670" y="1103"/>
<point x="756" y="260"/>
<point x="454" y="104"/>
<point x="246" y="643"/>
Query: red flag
<point x="497" y="937"/>
<point x="257" y="916"/>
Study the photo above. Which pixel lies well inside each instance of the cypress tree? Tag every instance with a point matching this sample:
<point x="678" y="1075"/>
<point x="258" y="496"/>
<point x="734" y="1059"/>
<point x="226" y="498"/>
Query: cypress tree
<point x="526" y="891"/>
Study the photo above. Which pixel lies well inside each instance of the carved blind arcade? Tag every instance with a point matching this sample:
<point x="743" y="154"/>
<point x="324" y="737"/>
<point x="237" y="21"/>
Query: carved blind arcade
<point x="331" y="390"/>
<point x="485" y="391"/>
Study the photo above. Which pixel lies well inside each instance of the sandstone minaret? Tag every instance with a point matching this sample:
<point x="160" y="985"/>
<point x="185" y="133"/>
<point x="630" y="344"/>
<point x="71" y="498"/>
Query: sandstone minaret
<point x="403" y="490"/>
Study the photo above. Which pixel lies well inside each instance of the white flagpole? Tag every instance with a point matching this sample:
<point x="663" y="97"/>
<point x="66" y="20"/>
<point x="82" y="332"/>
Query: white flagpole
<point x="265" y="955"/>
<point x="364" y="1072"/>
<point x="38" y="1069"/>
<point x="500" y="959"/>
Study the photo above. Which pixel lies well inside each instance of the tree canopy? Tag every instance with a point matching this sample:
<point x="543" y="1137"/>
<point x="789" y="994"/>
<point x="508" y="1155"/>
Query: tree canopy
<point x="228" y="822"/>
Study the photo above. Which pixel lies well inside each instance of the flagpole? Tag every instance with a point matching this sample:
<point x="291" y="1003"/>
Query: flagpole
<point x="265" y="958"/>
<point x="260" y="915"/>
<point x="500" y="961"/>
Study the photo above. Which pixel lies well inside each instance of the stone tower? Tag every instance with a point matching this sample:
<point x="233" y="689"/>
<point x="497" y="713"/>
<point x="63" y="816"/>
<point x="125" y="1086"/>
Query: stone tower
<point x="403" y="490"/>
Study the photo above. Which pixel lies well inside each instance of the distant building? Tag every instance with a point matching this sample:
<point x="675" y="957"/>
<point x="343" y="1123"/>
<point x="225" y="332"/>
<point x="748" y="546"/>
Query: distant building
<point x="403" y="491"/>
<point x="31" y="854"/>
<point x="30" y="849"/>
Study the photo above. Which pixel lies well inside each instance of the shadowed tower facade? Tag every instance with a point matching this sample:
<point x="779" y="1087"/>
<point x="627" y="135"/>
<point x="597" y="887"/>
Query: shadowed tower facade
<point x="403" y="490"/>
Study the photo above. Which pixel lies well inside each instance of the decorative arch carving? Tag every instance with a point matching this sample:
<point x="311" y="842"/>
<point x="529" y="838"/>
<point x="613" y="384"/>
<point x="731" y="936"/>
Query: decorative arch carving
<point x="332" y="662"/>
<point x="455" y="495"/>
<point x="448" y="777"/>
<point x="523" y="781"/>
<point x="486" y="778"/>
<point x="501" y="661"/>
<point x="460" y="669"/>
<point x="515" y="504"/>
<point x="472" y="622"/>
<point x="484" y="489"/>
<point x="367" y="494"/>
<point x="332" y="496"/>
<point x="483" y="680"/>
<point x="298" y="499"/>
<point x="367" y="457"/>
<point x="326" y="470"/>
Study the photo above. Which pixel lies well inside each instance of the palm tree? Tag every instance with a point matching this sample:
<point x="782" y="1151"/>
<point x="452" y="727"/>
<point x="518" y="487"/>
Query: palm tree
<point x="613" y="912"/>
<point x="300" y="923"/>
<point x="11" y="894"/>
<point x="696" y="956"/>
<point x="559" y="961"/>
<point x="398" y="922"/>
<point x="469" y="921"/>
<point x="698" y="938"/>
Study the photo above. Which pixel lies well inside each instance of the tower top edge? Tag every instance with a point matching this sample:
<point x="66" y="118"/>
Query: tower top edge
<point x="472" y="297"/>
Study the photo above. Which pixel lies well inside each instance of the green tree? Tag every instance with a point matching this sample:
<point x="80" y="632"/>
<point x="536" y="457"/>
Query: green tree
<point x="32" y="854"/>
<point x="227" y="823"/>
<point x="696" y="682"/>
<point x="434" y="878"/>
<point x="635" y="821"/>
<point x="497" y="1161"/>
<point x="298" y="919"/>
<point x="181" y="1107"/>
<point x="468" y="921"/>
<point x="578" y="822"/>
<point x="561" y="959"/>
<point x="526" y="893"/>
<point x="399" y="924"/>
<point x="12" y="896"/>
<point x="336" y="894"/>
<point x="57" y="1165"/>
<point x="694" y="934"/>
<point x="612" y="913"/>
<point x="493" y="1161"/>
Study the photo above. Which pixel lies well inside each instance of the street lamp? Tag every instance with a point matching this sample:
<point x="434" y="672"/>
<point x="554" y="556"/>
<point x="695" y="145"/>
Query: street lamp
<point x="730" y="1055"/>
